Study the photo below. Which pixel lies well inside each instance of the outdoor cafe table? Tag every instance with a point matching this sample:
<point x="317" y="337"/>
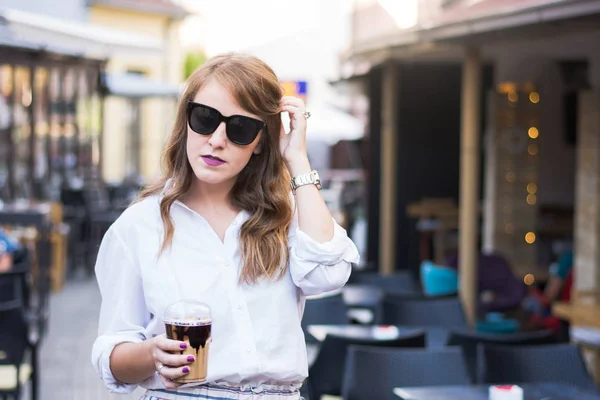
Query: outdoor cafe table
<point x="531" y="391"/>
<point x="362" y="296"/>
<point x="436" y="337"/>
<point x="363" y="302"/>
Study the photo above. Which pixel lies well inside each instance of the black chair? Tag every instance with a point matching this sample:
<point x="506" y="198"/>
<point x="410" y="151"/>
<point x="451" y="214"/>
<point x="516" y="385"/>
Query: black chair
<point x="399" y="282"/>
<point x="99" y="216"/>
<point x="326" y="373"/>
<point x="526" y="364"/>
<point x="469" y="340"/>
<point x="75" y="216"/>
<point x="372" y="373"/>
<point x="16" y="341"/>
<point x="330" y="310"/>
<point x="440" y="312"/>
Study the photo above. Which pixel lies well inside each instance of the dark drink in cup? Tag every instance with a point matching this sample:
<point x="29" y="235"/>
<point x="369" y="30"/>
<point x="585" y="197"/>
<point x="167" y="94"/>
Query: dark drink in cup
<point x="190" y="322"/>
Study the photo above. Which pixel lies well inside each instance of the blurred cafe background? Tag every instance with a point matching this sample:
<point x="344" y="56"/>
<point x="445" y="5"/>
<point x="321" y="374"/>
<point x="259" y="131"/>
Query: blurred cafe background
<point x="458" y="142"/>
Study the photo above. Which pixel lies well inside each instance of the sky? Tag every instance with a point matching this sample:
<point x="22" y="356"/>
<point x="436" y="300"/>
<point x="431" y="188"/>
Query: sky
<point x="233" y="25"/>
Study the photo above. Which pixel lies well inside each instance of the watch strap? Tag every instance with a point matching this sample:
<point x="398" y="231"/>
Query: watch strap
<point x="312" y="178"/>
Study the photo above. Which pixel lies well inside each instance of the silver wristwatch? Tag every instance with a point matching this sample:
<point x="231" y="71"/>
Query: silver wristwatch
<point x="312" y="178"/>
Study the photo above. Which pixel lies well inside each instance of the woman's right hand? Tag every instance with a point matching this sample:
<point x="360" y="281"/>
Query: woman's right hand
<point x="169" y="366"/>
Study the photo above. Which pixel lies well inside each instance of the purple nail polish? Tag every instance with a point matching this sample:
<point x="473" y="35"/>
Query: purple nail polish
<point x="190" y="359"/>
<point x="186" y="370"/>
<point x="183" y="346"/>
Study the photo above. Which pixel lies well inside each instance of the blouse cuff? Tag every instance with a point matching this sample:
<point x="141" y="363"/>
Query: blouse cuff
<point x="103" y="348"/>
<point x="339" y="248"/>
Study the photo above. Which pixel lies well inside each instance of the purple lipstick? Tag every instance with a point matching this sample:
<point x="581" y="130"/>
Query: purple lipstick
<point x="212" y="160"/>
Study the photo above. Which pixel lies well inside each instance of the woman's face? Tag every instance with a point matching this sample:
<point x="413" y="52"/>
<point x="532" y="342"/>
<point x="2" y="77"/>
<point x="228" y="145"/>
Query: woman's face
<point x="214" y="158"/>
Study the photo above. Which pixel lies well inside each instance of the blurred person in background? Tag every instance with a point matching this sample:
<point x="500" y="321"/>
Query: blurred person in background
<point x="558" y="288"/>
<point x="222" y="227"/>
<point x="10" y="250"/>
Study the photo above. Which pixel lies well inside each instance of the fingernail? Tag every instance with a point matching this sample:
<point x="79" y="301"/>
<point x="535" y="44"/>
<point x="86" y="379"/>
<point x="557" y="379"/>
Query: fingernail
<point x="190" y="358"/>
<point x="186" y="370"/>
<point x="183" y="346"/>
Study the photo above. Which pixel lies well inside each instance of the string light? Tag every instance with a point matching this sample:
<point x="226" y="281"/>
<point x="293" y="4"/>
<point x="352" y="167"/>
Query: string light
<point x="533" y="132"/>
<point x="534" y="97"/>
<point x="530" y="237"/>
<point x="532" y="149"/>
<point x="529" y="279"/>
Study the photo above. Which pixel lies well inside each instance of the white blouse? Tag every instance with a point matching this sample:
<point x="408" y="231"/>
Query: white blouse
<point x="257" y="338"/>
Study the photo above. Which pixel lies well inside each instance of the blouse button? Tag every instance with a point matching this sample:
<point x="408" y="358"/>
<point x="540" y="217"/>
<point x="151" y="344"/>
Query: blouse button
<point x="248" y="350"/>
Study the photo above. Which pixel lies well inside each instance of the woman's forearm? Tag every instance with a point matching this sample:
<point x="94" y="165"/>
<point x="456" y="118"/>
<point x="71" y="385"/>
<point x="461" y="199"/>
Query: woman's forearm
<point x="132" y="362"/>
<point x="314" y="217"/>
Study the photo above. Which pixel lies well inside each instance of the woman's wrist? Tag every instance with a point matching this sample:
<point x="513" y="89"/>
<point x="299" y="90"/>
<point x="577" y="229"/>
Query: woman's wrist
<point x="148" y="354"/>
<point x="298" y="166"/>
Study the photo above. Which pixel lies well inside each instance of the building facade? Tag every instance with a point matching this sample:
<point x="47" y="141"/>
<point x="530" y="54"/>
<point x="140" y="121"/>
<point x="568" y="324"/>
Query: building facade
<point x="489" y="103"/>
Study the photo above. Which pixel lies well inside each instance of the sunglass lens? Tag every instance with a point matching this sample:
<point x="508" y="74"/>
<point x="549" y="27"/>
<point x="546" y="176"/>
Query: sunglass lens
<point x="204" y="120"/>
<point x="242" y="130"/>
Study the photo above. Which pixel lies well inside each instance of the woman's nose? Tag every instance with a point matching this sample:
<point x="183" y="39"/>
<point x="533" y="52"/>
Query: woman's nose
<point x="219" y="136"/>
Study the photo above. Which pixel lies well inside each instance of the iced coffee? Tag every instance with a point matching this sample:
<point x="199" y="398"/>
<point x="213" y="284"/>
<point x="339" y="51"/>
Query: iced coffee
<point x="191" y="322"/>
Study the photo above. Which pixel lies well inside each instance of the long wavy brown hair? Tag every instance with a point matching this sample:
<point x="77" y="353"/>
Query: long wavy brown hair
<point x="261" y="188"/>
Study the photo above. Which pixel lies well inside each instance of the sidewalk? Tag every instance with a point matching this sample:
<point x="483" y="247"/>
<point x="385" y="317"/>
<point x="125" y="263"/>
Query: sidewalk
<point x="66" y="369"/>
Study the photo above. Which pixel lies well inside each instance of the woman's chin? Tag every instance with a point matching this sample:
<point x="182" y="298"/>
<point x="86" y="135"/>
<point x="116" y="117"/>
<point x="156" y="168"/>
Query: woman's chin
<point x="212" y="177"/>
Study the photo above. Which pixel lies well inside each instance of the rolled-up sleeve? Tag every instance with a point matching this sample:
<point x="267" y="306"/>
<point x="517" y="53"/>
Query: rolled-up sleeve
<point x="123" y="314"/>
<point x="321" y="267"/>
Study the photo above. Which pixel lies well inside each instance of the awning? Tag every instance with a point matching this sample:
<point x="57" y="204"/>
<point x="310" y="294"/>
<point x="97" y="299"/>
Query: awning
<point x="138" y="86"/>
<point x="93" y="40"/>
<point x="466" y="20"/>
<point x="9" y="42"/>
<point x="496" y="15"/>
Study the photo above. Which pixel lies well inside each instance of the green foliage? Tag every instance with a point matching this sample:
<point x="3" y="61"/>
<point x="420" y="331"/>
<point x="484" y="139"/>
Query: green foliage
<point x="192" y="61"/>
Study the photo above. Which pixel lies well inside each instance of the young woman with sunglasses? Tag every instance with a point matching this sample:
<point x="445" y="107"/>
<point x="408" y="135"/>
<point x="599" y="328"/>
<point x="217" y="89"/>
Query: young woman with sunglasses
<point x="237" y="222"/>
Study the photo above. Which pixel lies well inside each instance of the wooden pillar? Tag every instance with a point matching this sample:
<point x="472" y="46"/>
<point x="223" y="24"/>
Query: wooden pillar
<point x="587" y="197"/>
<point x="587" y="214"/>
<point x="389" y="135"/>
<point x="469" y="182"/>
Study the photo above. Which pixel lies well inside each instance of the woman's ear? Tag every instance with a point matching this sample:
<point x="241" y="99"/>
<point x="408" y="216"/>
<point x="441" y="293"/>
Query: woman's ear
<point x="258" y="148"/>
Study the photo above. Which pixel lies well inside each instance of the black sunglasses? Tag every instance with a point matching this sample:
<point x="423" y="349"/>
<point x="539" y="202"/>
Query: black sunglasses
<point x="240" y="129"/>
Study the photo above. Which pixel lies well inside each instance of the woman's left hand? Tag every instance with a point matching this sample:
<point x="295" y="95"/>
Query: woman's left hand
<point x="293" y="144"/>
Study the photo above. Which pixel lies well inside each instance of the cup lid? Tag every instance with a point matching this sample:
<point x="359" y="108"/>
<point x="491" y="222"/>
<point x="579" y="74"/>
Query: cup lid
<point x="188" y="311"/>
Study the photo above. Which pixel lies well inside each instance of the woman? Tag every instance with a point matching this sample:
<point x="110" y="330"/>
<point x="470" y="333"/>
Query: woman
<point x="222" y="227"/>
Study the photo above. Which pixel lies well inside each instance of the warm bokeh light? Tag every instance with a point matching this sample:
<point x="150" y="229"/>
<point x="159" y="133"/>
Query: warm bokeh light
<point x="531" y="199"/>
<point x="533" y="132"/>
<point x="529" y="279"/>
<point x="532" y="149"/>
<point x="513" y="97"/>
<point x="530" y="237"/>
<point x="511" y="177"/>
<point x="506" y="87"/>
<point x="534" y="97"/>
<point x="531" y="188"/>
